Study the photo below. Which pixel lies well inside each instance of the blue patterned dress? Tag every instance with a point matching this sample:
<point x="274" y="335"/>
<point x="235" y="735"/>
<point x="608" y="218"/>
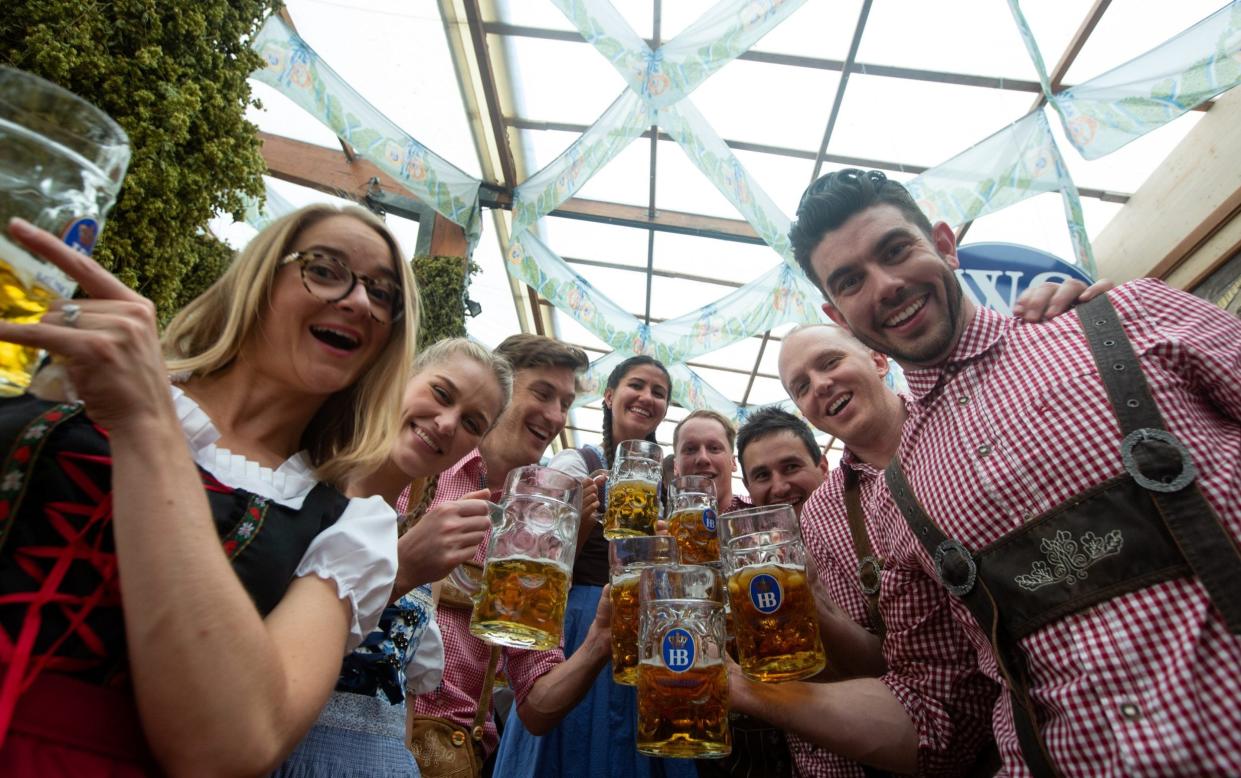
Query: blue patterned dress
<point x="361" y="731"/>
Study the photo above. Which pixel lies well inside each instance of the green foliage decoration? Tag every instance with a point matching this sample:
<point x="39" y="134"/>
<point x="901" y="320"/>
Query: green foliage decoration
<point x="173" y="74"/>
<point x="442" y="282"/>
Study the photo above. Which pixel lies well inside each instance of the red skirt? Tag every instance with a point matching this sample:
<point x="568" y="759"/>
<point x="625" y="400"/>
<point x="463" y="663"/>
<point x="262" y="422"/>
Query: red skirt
<point x="66" y="727"/>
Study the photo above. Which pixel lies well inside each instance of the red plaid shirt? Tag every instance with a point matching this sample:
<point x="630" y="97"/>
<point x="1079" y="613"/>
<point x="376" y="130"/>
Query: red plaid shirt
<point x="465" y="656"/>
<point x="825" y="530"/>
<point x="1017" y="422"/>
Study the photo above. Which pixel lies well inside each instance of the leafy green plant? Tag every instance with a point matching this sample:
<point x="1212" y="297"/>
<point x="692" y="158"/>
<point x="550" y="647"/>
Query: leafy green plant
<point x="442" y="282"/>
<point x="173" y="74"/>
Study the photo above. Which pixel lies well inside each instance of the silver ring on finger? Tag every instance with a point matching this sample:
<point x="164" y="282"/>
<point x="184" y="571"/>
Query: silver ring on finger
<point x="72" y="312"/>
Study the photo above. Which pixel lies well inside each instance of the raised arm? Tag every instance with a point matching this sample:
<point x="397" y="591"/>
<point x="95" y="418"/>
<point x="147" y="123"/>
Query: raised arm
<point x="218" y="690"/>
<point x="558" y="691"/>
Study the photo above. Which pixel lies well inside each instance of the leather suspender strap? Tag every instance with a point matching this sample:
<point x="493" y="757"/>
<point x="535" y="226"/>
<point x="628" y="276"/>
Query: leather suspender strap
<point x="958" y="570"/>
<point x="484" y="699"/>
<point x="869" y="565"/>
<point x="1207" y="547"/>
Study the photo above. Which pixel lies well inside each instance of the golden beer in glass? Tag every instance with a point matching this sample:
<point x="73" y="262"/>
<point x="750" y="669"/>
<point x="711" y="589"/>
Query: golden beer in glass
<point x="529" y="562"/>
<point x="626" y="559"/>
<point x="61" y="165"/>
<point x="682" y="680"/>
<point x="633" y="490"/>
<point x="693" y="519"/>
<point x="522" y="602"/>
<point x="773" y="612"/>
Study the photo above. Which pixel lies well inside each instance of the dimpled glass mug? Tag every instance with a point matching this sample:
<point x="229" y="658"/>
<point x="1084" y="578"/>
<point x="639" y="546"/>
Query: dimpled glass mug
<point x="682" y="678"/>
<point x="627" y="557"/>
<point x="529" y="560"/>
<point x="61" y="165"/>
<point x="772" y="605"/>
<point x="633" y="490"/>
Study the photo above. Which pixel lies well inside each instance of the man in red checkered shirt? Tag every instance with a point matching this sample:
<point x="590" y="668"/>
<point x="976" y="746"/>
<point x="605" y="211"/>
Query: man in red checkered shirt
<point x="1118" y="650"/>
<point x="546" y="686"/>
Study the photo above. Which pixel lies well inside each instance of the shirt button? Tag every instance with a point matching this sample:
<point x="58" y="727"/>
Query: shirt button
<point x="984" y="450"/>
<point x="963" y="400"/>
<point x="1130" y="711"/>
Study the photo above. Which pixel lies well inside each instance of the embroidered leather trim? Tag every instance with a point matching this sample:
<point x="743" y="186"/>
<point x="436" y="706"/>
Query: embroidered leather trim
<point x="1068" y="560"/>
<point x="247" y="529"/>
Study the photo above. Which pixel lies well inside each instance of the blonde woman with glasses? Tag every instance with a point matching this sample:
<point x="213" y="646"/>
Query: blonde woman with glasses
<point x="181" y="572"/>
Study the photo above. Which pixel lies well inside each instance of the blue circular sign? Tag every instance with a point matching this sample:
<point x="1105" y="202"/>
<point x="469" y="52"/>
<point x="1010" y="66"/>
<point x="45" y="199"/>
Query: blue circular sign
<point x="708" y="519"/>
<point x="81" y="234"/>
<point x="678" y="650"/>
<point x="765" y="593"/>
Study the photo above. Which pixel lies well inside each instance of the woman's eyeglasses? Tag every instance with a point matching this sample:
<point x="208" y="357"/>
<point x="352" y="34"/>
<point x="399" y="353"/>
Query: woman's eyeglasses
<point x="330" y="280"/>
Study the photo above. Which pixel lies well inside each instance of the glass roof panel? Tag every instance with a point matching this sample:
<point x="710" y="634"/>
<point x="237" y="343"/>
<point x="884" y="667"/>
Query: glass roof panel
<point x="570" y="331"/>
<point x="976" y="37"/>
<point x="1133" y="27"/>
<point x="281" y="116"/>
<point x="561" y="81"/>
<point x="489" y="287"/>
<point x="524" y="13"/>
<point x="796" y="103"/>
<point x="767" y="391"/>
<point x="373" y="37"/>
<point x="626" y="179"/>
<point x="917" y="122"/>
<point x="727" y="260"/>
<point x="681" y="186"/>
<point x="782" y="178"/>
<point x="625" y="288"/>
<point x="595" y="241"/>
<point x="1125" y="169"/>
<point x="738" y="356"/>
<point x="672" y="297"/>
<point x="817" y="29"/>
<point x="676" y="15"/>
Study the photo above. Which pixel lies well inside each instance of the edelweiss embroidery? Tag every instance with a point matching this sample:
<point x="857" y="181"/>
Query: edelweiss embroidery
<point x="1068" y="559"/>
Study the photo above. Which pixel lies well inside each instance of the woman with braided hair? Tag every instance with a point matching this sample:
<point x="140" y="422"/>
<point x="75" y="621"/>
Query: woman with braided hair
<point x="597" y="737"/>
<point x="457" y="391"/>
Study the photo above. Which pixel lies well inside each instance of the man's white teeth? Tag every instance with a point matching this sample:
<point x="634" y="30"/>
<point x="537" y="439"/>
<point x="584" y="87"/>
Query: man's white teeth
<point x="540" y="434"/>
<point x="904" y="314"/>
<point x="839" y="403"/>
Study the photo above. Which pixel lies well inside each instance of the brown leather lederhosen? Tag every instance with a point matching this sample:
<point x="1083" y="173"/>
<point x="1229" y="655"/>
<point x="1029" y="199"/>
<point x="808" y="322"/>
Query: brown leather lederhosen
<point x="1150" y="523"/>
<point x="869" y="566"/>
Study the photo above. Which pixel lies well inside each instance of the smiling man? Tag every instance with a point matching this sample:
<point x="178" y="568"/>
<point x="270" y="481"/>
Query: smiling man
<point x="702" y="444"/>
<point x="1072" y="489"/>
<point x="546" y="685"/>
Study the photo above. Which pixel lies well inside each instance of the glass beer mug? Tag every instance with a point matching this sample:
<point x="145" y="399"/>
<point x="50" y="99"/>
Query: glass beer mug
<point x="61" y="165"/>
<point x="633" y="490"/>
<point x="774" y="623"/>
<point x="693" y="517"/>
<point x="682" y="679"/>
<point x="627" y="557"/>
<point x="529" y="560"/>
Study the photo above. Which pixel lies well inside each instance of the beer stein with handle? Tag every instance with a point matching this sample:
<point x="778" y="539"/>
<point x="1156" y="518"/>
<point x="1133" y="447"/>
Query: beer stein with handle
<point x="529" y="560"/>
<point x="627" y="558"/>
<point x="772" y="604"/>
<point x="692" y="519"/>
<point x="633" y="490"/>
<point x="682" y="678"/>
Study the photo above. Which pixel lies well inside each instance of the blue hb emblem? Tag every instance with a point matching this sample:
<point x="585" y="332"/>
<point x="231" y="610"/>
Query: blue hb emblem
<point x="765" y="593"/>
<point x="81" y="235"/>
<point x="708" y="520"/>
<point x="678" y="650"/>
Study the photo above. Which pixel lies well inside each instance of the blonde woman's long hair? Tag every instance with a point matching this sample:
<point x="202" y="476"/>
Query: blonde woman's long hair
<point x="352" y="432"/>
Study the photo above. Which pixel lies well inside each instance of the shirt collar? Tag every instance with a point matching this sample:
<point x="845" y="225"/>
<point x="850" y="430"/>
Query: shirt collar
<point x="470" y="466"/>
<point x="983" y="332"/>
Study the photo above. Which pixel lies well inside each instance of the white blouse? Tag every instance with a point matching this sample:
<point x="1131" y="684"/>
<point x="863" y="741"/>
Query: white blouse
<point x="357" y="553"/>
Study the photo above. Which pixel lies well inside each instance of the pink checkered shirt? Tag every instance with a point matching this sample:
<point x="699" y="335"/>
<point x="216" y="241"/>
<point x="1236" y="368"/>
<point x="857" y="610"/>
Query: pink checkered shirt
<point x="1017" y="422"/>
<point x="465" y="656"/>
<point x="825" y="530"/>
